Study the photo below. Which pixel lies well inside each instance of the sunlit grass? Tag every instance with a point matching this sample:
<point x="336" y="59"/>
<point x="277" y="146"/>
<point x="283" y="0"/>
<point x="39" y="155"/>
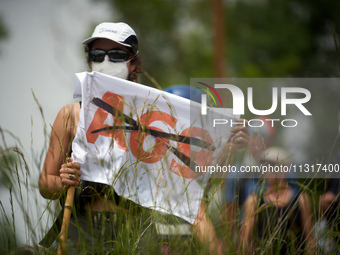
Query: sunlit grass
<point x="134" y="231"/>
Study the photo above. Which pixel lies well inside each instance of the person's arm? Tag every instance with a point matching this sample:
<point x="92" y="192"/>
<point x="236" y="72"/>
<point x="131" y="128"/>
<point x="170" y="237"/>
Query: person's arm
<point x="306" y="219"/>
<point x="249" y="222"/>
<point x="55" y="172"/>
<point x="205" y="231"/>
<point x="239" y="139"/>
<point x="239" y="136"/>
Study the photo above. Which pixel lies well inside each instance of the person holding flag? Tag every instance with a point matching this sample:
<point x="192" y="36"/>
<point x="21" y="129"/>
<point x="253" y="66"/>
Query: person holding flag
<point x="112" y="49"/>
<point x="101" y="214"/>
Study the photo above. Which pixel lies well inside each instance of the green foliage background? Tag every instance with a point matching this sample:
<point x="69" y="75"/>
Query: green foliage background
<point x="273" y="38"/>
<point x="267" y="38"/>
<point x="264" y="38"/>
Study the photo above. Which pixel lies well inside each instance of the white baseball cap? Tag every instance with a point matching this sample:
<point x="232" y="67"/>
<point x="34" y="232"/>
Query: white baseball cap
<point x="119" y="32"/>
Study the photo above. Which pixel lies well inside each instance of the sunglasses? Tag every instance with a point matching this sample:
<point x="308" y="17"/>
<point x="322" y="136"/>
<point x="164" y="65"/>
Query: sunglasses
<point x="115" y="55"/>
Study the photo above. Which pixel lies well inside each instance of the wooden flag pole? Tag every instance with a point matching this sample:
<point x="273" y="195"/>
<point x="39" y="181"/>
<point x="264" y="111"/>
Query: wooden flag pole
<point x="66" y="219"/>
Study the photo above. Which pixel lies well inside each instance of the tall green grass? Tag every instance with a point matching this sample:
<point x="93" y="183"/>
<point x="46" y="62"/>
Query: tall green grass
<point x="135" y="232"/>
<point x="136" y="235"/>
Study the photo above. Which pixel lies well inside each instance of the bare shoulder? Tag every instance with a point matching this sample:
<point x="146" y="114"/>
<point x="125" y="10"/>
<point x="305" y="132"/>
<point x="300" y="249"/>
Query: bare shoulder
<point x="251" y="201"/>
<point x="252" y="198"/>
<point x="68" y="117"/>
<point x="69" y="110"/>
<point x="304" y="202"/>
<point x="304" y="198"/>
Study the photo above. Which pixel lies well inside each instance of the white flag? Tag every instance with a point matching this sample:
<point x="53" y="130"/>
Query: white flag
<point x="136" y="139"/>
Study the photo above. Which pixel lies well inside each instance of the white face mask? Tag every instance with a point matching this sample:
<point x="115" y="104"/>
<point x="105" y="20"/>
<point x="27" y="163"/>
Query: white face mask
<point x="116" y="69"/>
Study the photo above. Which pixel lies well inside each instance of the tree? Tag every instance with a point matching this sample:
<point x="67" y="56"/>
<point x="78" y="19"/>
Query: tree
<point x="278" y="38"/>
